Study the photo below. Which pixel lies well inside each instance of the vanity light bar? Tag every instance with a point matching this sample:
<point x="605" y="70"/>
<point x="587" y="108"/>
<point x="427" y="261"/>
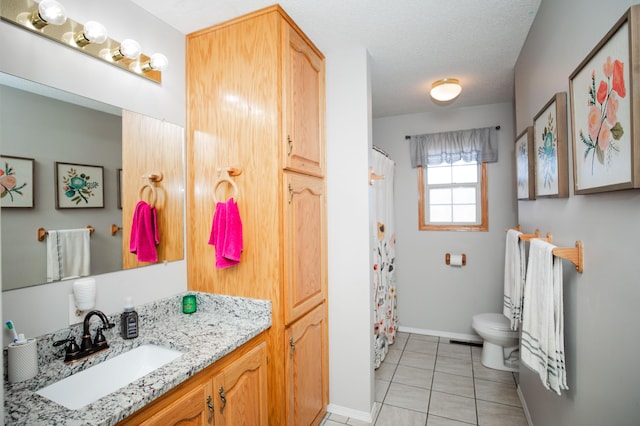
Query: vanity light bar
<point x="125" y="55"/>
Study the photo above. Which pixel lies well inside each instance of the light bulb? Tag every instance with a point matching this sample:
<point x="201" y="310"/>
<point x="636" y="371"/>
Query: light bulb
<point x="157" y="62"/>
<point x="128" y="49"/>
<point x="93" y="32"/>
<point x="49" y="12"/>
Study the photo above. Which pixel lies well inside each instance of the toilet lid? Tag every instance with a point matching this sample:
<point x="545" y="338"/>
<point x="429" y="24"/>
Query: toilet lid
<point x="493" y="321"/>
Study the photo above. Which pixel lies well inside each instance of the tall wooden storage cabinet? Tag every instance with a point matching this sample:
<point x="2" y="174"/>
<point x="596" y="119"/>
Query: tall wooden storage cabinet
<point x="256" y="102"/>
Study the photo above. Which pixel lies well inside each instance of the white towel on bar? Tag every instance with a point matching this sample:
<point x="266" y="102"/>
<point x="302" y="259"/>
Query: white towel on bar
<point x="514" y="277"/>
<point x="68" y="254"/>
<point x="542" y="345"/>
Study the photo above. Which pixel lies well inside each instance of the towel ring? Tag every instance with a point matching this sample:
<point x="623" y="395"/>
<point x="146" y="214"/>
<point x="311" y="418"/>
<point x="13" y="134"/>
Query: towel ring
<point x="230" y="182"/>
<point x="151" y="179"/>
<point x="152" y="188"/>
<point x="225" y="178"/>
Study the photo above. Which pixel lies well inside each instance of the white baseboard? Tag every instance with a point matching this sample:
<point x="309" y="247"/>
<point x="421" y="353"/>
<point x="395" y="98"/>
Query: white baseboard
<point x="524" y="406"/>
<point x="362" y="416"/>
<point x="474" y="338"/>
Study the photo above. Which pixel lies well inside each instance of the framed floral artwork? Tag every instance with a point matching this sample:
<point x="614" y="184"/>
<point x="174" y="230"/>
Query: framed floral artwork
<point x="79" y="186"/>
<point x="525" y="167"/>
<point x="16" y="182"/>
<point x="605" y="127"/>
<point x="550" y="148"/>
<point x="119" y="179"/>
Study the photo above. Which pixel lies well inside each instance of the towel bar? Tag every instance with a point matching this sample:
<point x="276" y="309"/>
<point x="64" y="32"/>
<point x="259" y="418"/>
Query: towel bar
<point x="526" y="237"/>
<point x="574" y="255"/>
<point x="43" y="232"/>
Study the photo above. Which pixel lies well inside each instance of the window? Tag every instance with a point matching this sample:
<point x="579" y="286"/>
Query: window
<point x="453" y="197"/>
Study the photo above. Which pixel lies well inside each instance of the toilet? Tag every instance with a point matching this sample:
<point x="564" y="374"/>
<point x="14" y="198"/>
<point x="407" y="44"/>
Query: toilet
<point x="500" y="349"/>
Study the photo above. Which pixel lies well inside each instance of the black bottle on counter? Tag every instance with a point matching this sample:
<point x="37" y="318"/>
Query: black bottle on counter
<point x="129" y="322"/>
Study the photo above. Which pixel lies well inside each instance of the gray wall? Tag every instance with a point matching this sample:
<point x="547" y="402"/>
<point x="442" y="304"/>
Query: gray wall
<point x="601" y="304"/>
<point x="432" y="296"/>
<point x="49" y="130"/>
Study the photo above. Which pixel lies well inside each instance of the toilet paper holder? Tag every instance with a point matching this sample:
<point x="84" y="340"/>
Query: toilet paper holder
<point x="447" y="259"/>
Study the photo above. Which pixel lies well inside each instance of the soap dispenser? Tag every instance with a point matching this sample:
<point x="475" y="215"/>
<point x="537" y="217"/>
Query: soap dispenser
<point x="129" y="321"/>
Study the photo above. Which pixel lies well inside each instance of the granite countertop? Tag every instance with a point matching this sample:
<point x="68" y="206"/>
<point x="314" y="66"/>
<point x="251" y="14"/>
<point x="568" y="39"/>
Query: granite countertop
<point x="220" y="325"/>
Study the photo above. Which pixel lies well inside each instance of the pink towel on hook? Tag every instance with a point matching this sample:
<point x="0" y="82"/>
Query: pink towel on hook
<point x="144" y="233"/>
<point x="226" y="234"/>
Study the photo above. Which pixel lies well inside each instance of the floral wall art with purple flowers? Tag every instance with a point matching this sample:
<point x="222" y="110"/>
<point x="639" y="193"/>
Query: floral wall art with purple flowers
<point x="79" y="186"/>
<point x="601" y="110"/>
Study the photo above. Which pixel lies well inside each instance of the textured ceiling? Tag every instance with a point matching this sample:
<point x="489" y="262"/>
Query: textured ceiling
<point x="411" y="42"/>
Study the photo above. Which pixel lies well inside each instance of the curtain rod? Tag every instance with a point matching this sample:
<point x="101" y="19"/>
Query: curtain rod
<point x="409" y="137"/>
<point x="380" y="150"/>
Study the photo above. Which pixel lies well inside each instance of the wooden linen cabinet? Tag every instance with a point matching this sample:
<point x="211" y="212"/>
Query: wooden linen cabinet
<point x="256" y="102"/>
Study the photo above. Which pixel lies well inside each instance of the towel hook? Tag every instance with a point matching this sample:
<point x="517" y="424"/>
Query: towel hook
<point x="373" y="176"/>
<point x="225" y="177"/>
<point x="114" y="229"/>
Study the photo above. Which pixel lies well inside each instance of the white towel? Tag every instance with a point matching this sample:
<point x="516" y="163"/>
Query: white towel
<point x="542" y="346"/>
<point x="68" y="254"/>
<point x="514" y="277"/>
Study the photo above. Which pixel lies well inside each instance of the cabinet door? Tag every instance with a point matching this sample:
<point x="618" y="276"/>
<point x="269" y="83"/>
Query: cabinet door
<point x="304" y="89"/>
<point x="194" y="408"/>
<point x="240" y="391"/>
<point x="305" y="242"/>
<point x="306" y="369"/>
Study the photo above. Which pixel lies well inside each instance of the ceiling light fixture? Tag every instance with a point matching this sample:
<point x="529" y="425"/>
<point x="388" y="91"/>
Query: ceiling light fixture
<point x="48" y="12"/>
<point x="93" y="32"/>
<point x="446" y="89"/>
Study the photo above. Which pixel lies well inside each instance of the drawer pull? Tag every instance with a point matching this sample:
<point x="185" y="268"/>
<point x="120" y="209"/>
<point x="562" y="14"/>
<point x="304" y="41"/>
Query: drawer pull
<point x="292" y="344"/>
<point x="210" y="406"/>
<point x="290" y="144"/>
<point x="223" y="398"/>
<point x="290" y="193"/>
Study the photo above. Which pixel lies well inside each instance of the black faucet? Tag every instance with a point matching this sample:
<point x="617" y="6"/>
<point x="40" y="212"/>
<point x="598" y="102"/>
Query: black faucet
<point x="88" y="346"/>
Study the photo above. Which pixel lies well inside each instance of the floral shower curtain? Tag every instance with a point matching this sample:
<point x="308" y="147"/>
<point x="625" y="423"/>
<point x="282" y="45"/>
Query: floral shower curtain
<point x="384" y="241"/>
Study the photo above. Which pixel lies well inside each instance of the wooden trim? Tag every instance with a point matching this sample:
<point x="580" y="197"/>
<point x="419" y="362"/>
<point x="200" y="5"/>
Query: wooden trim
<point x="484" y="201"/>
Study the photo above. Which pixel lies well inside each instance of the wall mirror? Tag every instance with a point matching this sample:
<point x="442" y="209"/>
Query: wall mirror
<point x="41" y="126"/>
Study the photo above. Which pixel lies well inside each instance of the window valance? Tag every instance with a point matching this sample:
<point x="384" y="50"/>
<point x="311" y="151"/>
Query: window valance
<point x="448" y="147"/>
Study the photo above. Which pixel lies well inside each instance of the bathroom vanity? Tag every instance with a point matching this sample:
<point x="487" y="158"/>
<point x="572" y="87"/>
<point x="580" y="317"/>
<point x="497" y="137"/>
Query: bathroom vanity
<point x="223" y="361"/>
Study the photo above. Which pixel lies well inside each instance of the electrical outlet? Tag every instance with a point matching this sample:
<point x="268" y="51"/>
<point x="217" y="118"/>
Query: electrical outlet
<point x="75" y="316"/>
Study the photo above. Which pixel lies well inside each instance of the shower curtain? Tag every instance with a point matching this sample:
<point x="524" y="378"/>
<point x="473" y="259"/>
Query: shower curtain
<point x="384" y="241"/>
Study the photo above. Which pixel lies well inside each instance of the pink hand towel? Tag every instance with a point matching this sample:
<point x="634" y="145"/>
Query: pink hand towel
<point x="144" y="233"/>
<point x="226" y="234"/>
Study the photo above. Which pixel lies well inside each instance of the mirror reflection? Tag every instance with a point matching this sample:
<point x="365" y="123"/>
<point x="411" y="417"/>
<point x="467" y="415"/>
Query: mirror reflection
<point x="62" y="169"/>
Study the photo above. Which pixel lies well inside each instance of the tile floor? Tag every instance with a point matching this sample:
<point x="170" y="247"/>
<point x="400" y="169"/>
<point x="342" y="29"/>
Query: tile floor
<point x="425" y="380"/>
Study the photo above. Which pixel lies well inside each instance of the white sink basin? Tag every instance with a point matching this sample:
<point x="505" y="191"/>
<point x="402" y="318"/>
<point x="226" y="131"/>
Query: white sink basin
<point x="91" y="384"/>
